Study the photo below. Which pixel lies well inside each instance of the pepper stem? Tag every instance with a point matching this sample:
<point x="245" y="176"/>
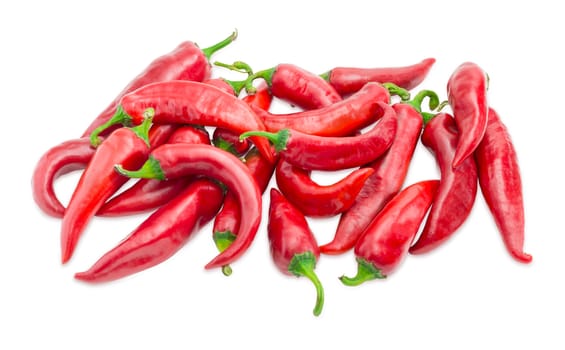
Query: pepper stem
<point x="365" y="272"/>
<point x="266" y="74"/>
<point x="433" y="103"/>
<point x="237" y="66"/>
<point x="278" y="139"/>
<point x="223" y="239"/>
<point x="396" y="90"/>
<point x="119" y="117"/>
<point x="142" y="130"/>
<point x="304" y="265"/>
<point x="209" y="51"/>
<point x="326" y="76"/>
<point x="151" y="169"/>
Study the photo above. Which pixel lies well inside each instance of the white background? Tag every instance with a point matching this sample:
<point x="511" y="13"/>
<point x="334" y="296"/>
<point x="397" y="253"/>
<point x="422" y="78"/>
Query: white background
<point x="61" y="63"/>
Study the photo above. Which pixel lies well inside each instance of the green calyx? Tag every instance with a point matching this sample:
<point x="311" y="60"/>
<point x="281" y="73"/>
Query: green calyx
<point x="142" y="130"/>
<point x="209" y="51"/>
<point x="119" y="117"/>
<point x="278" y="139"/>
<point x="266" y="74"/>
<point x="151" y="169"/>
<point x="326" y="76"/>
<point x="303" y="265"/>
<point x="223" y="239"/>
<point x="366" y="271"/>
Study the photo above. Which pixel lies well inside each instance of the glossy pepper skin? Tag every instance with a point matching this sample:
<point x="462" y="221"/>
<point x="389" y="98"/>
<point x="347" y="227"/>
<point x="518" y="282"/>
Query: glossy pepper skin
<point x="467" y="96"/>
<point x="292" y="244"/>
<point x="342" y="118"/>
<point x="161" y="235"/>
<point x="188" y="102"/>
<point x="298" y="86"/>
<point x="186" y="62"/>
<point x="172" y="161"/>
<point x="59" y="160"/>
<point x="311" y="152"/>
<point x="501" y="185"/>
<point x="390" y="171"/>
<point x="317" y="200"/>
<point x="457" y="189"/>
<point x="227" y="221"/>
<point x="385" y="242"/>
<point x="148" y="194"/>
<point x="348" y="80"/>
<point x="127" y="146"/>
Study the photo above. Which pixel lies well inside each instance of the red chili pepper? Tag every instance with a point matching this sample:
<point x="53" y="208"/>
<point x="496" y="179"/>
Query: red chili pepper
<point x="316" y="200"/>
<point x="148" y="194"/>
<point x="161" y="235"/>
<point x="457" y="188"/>
<point x="128" y="146"/>
<point x="467" y="96"/>
<point x="172" y="161"/>
<point x="390" y="171"/>
<point x="186" y="62"/>
<point x="339" y="119"/>
<point x="385" y="242"/>
<point x="66" y="157"/>
<point x="350" y="80"/>
<point x="292" y="244"/>
<point x="297" y="86"/>
<point x="188" y="102"/>
<point x="313" y="152"/>
<point x="227" y="221"/>
<point x="501" y="185"/>
<point x="69" y="156"/>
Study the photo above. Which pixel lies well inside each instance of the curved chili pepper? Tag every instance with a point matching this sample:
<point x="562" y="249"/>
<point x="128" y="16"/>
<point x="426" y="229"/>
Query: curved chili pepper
<point x="390" y="171"/>
<point x="348" y="80"/>
<point x="227" y="221"/>
<point x="292" y="244"/>
<point x="172" y="161"/>
<point x="311" y="152"/>
<point x="148" y="194"/>
<point x="186" y="62"/>
<point x="161" y="235"/>
<point x="59" y="160"/>
<point x="457" y="188"/>
<point x="316" y="200"/>
<point x="501" y="185"/>
<point x="69" y="156"/>
<point x="297" y="86"/>
<point x="342" y="118"/>
<point x="189" y="102"/>
<point x="385" y="242"/>
<point x="129" y="146"/>
<point x="467" y="96"/>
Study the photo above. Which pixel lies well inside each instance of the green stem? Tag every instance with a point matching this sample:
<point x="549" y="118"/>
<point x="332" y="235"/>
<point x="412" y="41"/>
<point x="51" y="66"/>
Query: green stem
<point x="151" y="169"/>
<point x="365" y="272"/>
<point x="209" y="51"/>
<point x="396" y="90"/>
<point x="278" y="139"/>
<point x="304" y="265"/>
<point x="326" y="76"/>
<point x="142" y="130"/>
<point x="119" y="117"/>
<point x="266" y="74"/>
<point x="417" y="101"/>
<point x="236" y="85"/>
<point x="223" y="239"/>
<point x="442" y="105"/>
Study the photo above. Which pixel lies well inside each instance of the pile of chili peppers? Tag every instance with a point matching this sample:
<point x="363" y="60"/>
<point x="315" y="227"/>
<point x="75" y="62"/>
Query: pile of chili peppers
<point x="155" y="136"/>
